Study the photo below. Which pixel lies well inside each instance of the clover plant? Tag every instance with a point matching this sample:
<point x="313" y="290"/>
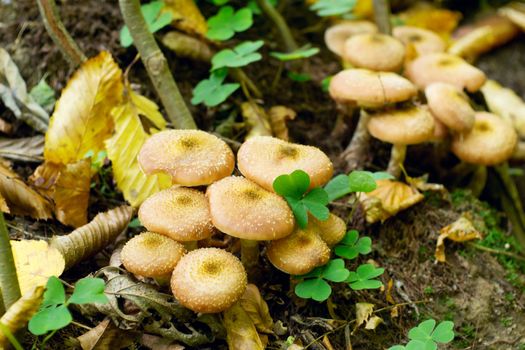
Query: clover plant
<point x="427" y="336"/>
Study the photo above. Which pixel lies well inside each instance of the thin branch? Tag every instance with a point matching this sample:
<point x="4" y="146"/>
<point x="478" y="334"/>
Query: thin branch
<point x="496" y="251"/>
<point x="280" y="23"/>
<point x="8" y="278"/>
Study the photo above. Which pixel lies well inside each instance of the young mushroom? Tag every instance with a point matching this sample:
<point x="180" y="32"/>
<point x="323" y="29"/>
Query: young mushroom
<point x="190" y="157"/>
<point x="208" y="280"/>
<point x="336" y="35"/>
<point x="378" y="52"/>
<point x="331" y="231"/>
<point x="424" y="41"/>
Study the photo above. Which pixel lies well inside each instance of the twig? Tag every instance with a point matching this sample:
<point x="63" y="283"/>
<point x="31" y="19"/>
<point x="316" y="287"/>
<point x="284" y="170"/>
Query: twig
<point x="156" y="65"/>
<point x="280" y="23"/>
<point x="59" y="34"/>
<point x="382" y="16"/>
<point x="8" y="278"/>
<point x="357" y="148"/>
<point x="496" y="251"/>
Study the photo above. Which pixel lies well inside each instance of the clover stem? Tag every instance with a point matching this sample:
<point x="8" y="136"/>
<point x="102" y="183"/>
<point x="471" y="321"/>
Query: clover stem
<point x="397" y="157"/>
<point x="156" y="66"/>
<point x="280" y="23"/>
<point x="249" y="253"/>
<point x="356" y="150"/>
<point x="382" y="16"/>
<point x="8" y="278"/>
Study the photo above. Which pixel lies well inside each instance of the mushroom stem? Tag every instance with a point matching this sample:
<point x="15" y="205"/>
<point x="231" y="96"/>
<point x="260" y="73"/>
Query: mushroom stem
<point x="249" y="253"/>
<point x="280" y="23"/>
<point x="355" y="153"/>
<point x="191" y="245"/>
<point x="519" y="153"/>
<point x="397" y="157"/>
<point x="8" y="279"/>
<point x="382" y="16"/>
<point x="478" y="181"/>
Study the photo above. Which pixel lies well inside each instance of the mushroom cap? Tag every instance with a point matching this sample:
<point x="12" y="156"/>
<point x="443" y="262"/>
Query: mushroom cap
<point x="332" y="230"/>
<point x="190" y="157"/>
<point x="407" y="126"/>
<point x="445" y="68"/>
<point x="208" y="280"/>
<point x="491" y="141"/>
<point x="374" y="51"/>
<point x="243" y="209"/>
<point x="370" y="89"/>
<point x="336" y="35"/>
<point x="151" y="255"/>
<point x="263" y="158"/>
<point x="425" y="41"/>
<point x="450" y="105"/>
<point x="299" y="253"/>
<point x="183" y="214"/>
<point x="440" y="130"/>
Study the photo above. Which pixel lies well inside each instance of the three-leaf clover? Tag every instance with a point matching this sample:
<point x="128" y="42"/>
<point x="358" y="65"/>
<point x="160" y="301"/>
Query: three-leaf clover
<point x="241" y="55"/>
<point x="314" y="283"/>
<point x="54" y="313"/>
<point x="212" y="91"/>
<point x="351" y="245"/>
<point x="333" y="7"/>
<point x="364" y="277"/>
<point x="356" y="181"/>
<point x="304" y="52"/>
<point x="426" y="335"/>
<point x="227" y="22"/>
<point x="155" y="20"/>
<point x="293" y="188"/>
<point x="252" y="5"/>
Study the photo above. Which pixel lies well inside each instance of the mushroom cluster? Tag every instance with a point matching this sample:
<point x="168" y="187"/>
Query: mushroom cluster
<point x="206" y="199"/>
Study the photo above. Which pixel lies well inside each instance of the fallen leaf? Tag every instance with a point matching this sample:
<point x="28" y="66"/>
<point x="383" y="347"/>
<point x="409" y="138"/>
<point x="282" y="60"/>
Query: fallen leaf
<point x="279" y="115"/>
<point x="388" y="291"/>
<point x="5" y="127"/>
<point x="105" y="336"/>
<point x="425" y="15"/>
<point x="3" y="205"/>
<point x="363" y="311"/>
<point x="373" y="322"/>
<point x="186" y="16"/>
<point x="257" y="309"/>
<point x="82" y="121"/>
<point x="13" y="92"/>
<point x="124" y="146"/>
<point x="421" y="183"/>
<point x="35" y="262"/>
<point x="256" y="119"/>
<point x="515" y="11"/>
<point x="461" y="230"/>
<point x="43" y="94"/>
<point x="28" y="149"/>
<point x="241" y="333"/>
<point x="154" y="342"/>
<point x="187" y="46"/>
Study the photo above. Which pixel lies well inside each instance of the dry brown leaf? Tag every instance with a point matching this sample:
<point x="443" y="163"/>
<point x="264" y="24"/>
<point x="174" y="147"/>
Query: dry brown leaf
<point x="279" y="115"/>
<point x="461" y="230"/>
<point x="105" y="336"/>
<point x="187" y="46"/>
<point x="388" y="291"/>
<point x="82" y="121"/>
<point x="3" y="205"/>
<point x="439" y="20"/>
<point x="241" y="333"/>
<point x="256" y="119"/>
<point x="27" y="149"/>
<point x="154" y="342"/>
<point x="373" y="322"/>
<point x="186" y="16"/>
<point x="363" y="311"/>
<point x="257" y="309"/>
<point x="5" y="127"/>
<point x="421" y="183"/>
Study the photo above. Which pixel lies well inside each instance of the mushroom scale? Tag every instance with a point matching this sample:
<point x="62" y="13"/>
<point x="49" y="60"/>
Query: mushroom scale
<point x="378" y="52"/>
<point x="208" y="280"/>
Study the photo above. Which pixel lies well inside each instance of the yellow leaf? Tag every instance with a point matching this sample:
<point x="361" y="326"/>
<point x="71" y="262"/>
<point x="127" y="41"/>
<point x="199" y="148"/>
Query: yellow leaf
<point x="373" y="322"/>
<point x="124" y="146"/>
<point x="186" y="16"/>
<point x="35" y="262"/>
<point x="22" y="199"/>
<point x="241" y="333"/>
<point x="81" y="120"/>
<point x="3" y="205"/>
<point x="461" y="230"/>
<point x="278" y="117"/>
<point x="256" y="119"/>
<point x="257" y="309"/>
<point x="427" y="16"/>
<point x="363" y="311"/>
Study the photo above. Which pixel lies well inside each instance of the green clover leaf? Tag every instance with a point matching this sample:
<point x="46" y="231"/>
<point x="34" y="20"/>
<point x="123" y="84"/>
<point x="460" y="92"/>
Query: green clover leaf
<point x="50" y="318"/>
<point x="43" y="94"/>
<point x="155" y="20"/>
<point x="397" y="347"/>
<point x="325" y="83"/>
<point x="227" y="22"/>
<point x="356" y="181"/>
<point x="316" y="201"/>
<point x="351" y="245"/>
<point x="363" y="277"/>
<point x="316" y="289"/>
<point x="212" y="91"/>
<point x="89" y="290"/>
<point x="299" y="77"/>
<point x="333" y="7"/>
<point x="335" y="271"/>
<point x="55" y="293"/>
<point x="304" y="52"/>
<point x="425" y="332"/>
<point x="241" y="55"/>
<point x="314" y="285"/>
<point x="219" y="2"/>
<point x="252" y="5"/>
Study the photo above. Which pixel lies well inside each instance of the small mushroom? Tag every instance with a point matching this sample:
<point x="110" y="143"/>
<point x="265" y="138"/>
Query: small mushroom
<point x="332" y="230"/>
<point x="151" y="255"/>
<point x="515" y="11"/>
<point x="336" y="35"/>
<point x="423" y="40"/>
<point x="190" y="157"/>
<point x="450" y="106"/>
<point x="263" y="158"/>
<point x="208" y="280"/>
<point x="378" y="52"/>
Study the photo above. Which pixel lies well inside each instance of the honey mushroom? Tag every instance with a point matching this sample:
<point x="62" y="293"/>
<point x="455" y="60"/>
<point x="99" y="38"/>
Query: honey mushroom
<point x="336" y="35"/>
<point x="424" y="41"/>
<point x="378" y="52"/>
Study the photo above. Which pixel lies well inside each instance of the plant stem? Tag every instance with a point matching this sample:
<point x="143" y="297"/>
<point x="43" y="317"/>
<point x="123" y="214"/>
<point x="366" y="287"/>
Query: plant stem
<point x="57" y="31"/>
<point x="8" y="278"/>
<point x="397" y="157"/>
<point x="280" y="23"/>
<point x="382" y="16"/>
<point x="355" y="152"/>
<point x="156" y="65"/>
<point x="478" y="180"/>
<point x="496" y="251"/>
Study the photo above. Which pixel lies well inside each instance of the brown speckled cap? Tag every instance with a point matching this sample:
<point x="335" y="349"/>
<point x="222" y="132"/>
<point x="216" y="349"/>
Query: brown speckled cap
<point x="208" y="280"/>
<point x="336" y="35"/>
<point x="151" y="255"/>
<point x="190" y="157"/>
<point x="183" y="214"/>
<point x="424" y="40"/>
<point x="332" y="231"/>
<point x="243" y="209"/>
<point x="378" y="52"/>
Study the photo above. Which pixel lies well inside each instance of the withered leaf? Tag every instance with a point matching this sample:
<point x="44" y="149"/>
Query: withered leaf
<point x="154" y="342"/>
<point x="241" y="333"/>
<point x="186" y="16"/>
<point x="363" y="311"/>
<point x="256" y="119"/>
<point x="279" y="115"/>
<point x="461" y="230"/>
<point x="257" y="309"/>
<point x="105" y="336"/>
<point x="27" y="149"/>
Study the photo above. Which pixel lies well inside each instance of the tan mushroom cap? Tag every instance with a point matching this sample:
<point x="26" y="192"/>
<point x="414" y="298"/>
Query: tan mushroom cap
<point x="370" y="89"/>
<point x="190" y="157"/>
<point x="243" y="209"/>
<point x="332" y="230"/>
<point x="445" y="68"/>
<point x="336" y="35"/>
<point x="491" y="141"/>
<point x="208" y="280"/>
<point x="425" y="41"/>
<point x="450" y="105"/>
<point x="378" y="52"/>
<point x="183" y="214"/>
<point x="299" y="253"/>
<point x="151" y="255"/>
<point x="407" y="126"/>
<point x="440" y="130"/>
<point x="263" y="158"/>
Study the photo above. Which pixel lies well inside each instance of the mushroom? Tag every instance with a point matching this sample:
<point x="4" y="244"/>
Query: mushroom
<point x="401" y="127"/>
<point x="263" y="158"/>
<point x="208" y="280"/>
<point x="336" y="35"/>
<point x="515" y="11"/>
<point x="332" y="230"/>
<point x="445" y="68"/>
<point x="423" y="40"/>
<point x="243" y="209"/>
<point x="152" y="255"/>
<point x="190" y="157"/>
<point x="450" y="106"/>
<point x="183" y="214"/>
<point x="378" y="52"/>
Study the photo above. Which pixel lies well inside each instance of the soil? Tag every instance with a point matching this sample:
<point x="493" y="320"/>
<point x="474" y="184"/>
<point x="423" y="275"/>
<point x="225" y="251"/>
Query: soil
<point x="482" y="292"/>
